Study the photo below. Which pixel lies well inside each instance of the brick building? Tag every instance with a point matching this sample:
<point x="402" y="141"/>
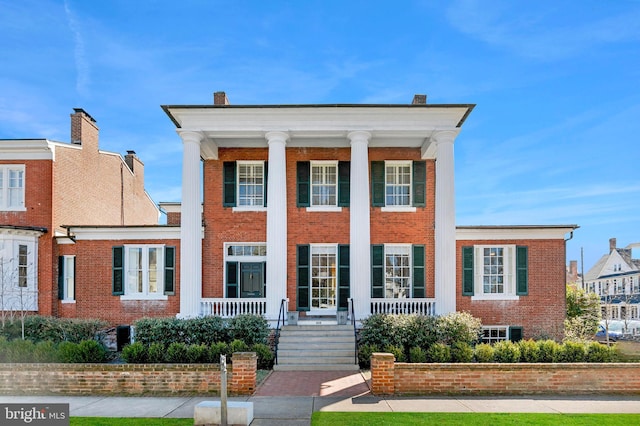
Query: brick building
<point x="45" y="185"/>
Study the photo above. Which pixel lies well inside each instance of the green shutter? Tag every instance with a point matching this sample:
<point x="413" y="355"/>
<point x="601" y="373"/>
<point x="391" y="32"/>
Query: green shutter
<point x="377" y="184"/>
<point x="232" y="280"/>
<point x="418" y="272"/>
<point x="60" y="277"/>
<point x="515" y="333"/>
<point x="170" y="271"/>
<point x="377" y="271"/>
<point x="467" y="271"/>
<point x="302" y="286"/>
<point x="265" y="182"/>
<point x="117" y="288"/>
<point x="344" y="190"/>
<point x="522" y="266"/>
<point x="229" y="184"/>
<point x="343" y="277"/>
<point x="304" y="183"/>
<point x="419" y="183"/>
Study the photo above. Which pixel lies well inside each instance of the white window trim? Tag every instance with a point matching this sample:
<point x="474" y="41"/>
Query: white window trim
<point x="255" y="208"/>
<point x="322" y="311"/>
<point x="9" y="252"/>
<point x="388" y="249"/>
<point x="509" y="273"/>
<point x="239" y="259"/>
<point x="496" y="327"/>
<point x="399" y="208"/>
<point x="145" y="295"/>
<point x="328" y="207"/>
<point x="66" y="297"/>
<point x="4" y="170"/>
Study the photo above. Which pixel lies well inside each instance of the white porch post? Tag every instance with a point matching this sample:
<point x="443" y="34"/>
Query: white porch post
<point x="276" y="223"/>
<point x="359" y="225"/>
<point x="445" y="232"/>
<point x="190" y="227"/>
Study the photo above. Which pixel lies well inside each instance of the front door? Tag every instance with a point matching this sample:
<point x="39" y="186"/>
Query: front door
<point x="323" y="280"/>
<point x="251" y="280"/>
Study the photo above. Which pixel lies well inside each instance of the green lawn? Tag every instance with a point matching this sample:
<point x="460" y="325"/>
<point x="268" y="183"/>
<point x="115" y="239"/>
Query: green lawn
<point x="367" y="419"/>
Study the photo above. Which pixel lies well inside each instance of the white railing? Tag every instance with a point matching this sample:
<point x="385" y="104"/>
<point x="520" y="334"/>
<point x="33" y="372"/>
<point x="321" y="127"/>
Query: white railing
<point x="403" y="306"/>
<point x="229" y="308"/>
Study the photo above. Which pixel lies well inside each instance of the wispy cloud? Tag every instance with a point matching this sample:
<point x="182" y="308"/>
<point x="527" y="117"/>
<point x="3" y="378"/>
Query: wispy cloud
<point x="82" y="65"/>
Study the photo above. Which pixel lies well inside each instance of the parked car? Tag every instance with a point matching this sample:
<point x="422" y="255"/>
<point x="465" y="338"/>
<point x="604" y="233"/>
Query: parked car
<point x="601" y="335"/>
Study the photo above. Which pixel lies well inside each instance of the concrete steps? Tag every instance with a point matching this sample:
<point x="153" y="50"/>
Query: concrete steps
<point x="316" y="347"/>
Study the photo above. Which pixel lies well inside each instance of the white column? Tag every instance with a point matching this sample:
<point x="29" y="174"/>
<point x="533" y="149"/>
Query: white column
<point x="445" y="232"/>
<point x="276" y="223"/>
<point x="190" y="227"/>
<point x="359" y="223"/>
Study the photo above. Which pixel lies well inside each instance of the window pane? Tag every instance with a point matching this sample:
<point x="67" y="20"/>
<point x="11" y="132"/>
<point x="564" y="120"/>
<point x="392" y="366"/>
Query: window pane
<point x="323" y="273"/>
<point x="398" y="185"/>
<point x="134" y="273"/>
<point x="250" y="185"/>
<point x="324" y="185"/>
<point x="153" y="270"/>
<point x="22" y="265"/>
<point x="397" y="272"/>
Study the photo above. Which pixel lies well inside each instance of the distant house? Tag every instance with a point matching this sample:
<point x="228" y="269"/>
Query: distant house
<point x="616" y="279"/>
<point x="45" y="185"/>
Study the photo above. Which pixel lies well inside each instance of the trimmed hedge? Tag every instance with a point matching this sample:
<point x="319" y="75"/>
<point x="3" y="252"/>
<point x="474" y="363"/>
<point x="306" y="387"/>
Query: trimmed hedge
<point x="40" y="328"/>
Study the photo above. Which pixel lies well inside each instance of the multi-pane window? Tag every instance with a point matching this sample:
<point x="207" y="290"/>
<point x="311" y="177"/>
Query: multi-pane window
<point x="397" y="271"/>
<point x="323" y="277"/>
<point x="494" y="334"/>
<point x="493" y="270"/>
<point x="23" y="257"/>
<point x="324" y="184"/>
<point x="69" y="277"/>
<point x="250" y="184"/>
<point x="11" y="187"/>
<point x="635" y="284"/>
<point x="247" y="250"/>
<point x="398" y="184"/>
<point x="144" y="270"/>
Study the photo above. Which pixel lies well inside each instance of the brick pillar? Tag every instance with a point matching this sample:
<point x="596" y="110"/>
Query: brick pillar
<point x="243" y="373"/>
<point x="382" y="374"/>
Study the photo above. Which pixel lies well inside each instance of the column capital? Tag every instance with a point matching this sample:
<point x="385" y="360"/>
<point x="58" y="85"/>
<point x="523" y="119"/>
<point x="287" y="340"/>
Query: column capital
<point x="277" y="136"/>
<point x="359" y="136"/>
<point x="447" y="135"/>
<point x="191" y="136"/>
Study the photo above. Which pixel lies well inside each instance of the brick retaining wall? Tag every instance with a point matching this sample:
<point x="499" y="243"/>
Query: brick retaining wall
<point x="390" y="378"/>
<point x="129" y="379"/>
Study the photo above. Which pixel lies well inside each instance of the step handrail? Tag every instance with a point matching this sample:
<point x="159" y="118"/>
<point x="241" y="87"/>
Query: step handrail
<point x="281" y="315"/>
<point x="355" y="332"/>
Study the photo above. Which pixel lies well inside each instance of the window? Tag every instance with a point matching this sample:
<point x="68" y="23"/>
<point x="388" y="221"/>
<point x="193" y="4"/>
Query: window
<point x="324" y="184"/>
<point x="397" y="271"/>
<point x="247" y="250"/>
<point x="495" y="272"/>
<point x="323" y="277"/>
<point x="494" y="334"/>
<point x="18" y="271"/>
<point x="398" y="184"/>
<point x="143" y="272"/>
<point x="66" y="278"/>
<point x="250" y="184"/>
<point x="12" y="187"/>
<point x="22" y="265"/>
<point x="635" y="284"/>
<point x="245" y="270"/>
<point x="244" y="184"/>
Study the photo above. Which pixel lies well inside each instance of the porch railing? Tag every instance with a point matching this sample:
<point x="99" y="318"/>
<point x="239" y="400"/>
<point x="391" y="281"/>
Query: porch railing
<point x="403" y="306"/>
<point x="229" y="308"/>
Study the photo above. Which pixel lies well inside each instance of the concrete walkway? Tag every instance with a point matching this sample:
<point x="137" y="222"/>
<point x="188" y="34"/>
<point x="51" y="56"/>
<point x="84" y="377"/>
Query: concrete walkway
<point x="289" y="398"/>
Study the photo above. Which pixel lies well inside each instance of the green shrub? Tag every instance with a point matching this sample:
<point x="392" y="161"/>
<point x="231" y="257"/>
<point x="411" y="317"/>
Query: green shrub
<point x="91" y="351"/>
<point x="420" y="331"/>
<point x="417" y="354"/>
<point x="250" y="329"/>
<point x="364" y="355"/>
<point x="134" y="353"/>
<point x="439" y="352"/>
<point x="45" y="351"/>
<point x="39" y="328"/>
<point x="177" y="353"/>
<point x="458" y="327"/>
<point x="380" y="330"/>
<point x="265" y="356"/>
<point x="17" y="350"/>
<point x="506" y="351"/>
<point x="238" y="346"/>
<point x="217" y="349"/>
<point x="597" y="352"/>
<point x="483" y="352"/>
<point x="529" y="351"/>
<point x="197" y="354"/>
<point x="572" y="352"/>
<point x="397" y="351"/>
<point x="461" y="352"/>
<point x="156" y="353"/>
<point x="68" y="352"/>
<point x="549" y="350"/>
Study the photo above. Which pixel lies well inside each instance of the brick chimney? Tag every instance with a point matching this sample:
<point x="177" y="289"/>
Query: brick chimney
<point x="612" y="244"/>
<point x="220" y="98"/>
<point x="84" y="130"/>
<point x="419" y="100"/>
<point x="129" y="159"/>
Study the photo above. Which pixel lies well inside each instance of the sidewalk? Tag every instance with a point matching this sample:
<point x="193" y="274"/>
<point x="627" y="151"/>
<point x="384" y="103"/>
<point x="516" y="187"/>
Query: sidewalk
<point x="289" y="399"/>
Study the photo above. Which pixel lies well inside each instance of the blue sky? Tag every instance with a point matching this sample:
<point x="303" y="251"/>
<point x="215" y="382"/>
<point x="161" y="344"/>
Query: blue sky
<point x="553" y="138"/>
